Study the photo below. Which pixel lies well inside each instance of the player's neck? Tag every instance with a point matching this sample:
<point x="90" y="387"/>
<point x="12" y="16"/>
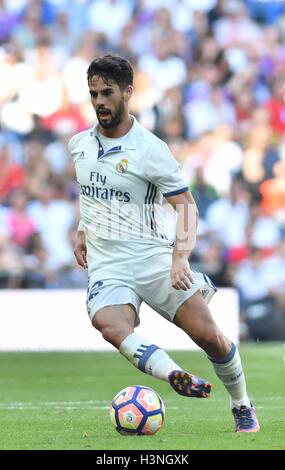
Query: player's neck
<point x="120" y="130"/>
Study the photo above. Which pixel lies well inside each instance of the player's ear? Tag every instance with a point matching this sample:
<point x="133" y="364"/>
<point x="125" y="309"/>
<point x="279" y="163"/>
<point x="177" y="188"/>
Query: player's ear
<point x="128" y="91"/>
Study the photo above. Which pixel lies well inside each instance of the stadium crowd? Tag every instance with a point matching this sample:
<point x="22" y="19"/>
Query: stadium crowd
<point x="209" y="80"/>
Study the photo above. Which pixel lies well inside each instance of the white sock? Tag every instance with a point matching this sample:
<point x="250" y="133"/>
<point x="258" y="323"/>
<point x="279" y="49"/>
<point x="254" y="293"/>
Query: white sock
<point x="230" y="372"/>
<point x="147" y="357"/>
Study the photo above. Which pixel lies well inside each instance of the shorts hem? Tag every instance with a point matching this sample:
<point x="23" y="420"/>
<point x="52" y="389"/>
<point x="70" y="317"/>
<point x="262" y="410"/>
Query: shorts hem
<point x="211" y="291"/>
<point x="170" y="317"/>
<point x="92" y="314"/>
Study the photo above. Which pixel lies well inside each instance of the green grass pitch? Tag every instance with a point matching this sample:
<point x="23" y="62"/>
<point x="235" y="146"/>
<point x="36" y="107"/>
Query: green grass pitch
<point x="61" y="401"/>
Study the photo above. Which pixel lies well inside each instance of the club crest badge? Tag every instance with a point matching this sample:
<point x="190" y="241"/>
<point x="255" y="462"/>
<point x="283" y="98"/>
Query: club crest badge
<point x="122" y="166"/>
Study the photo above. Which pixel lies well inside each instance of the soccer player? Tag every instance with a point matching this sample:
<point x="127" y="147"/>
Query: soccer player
<point x="124" y="171"/>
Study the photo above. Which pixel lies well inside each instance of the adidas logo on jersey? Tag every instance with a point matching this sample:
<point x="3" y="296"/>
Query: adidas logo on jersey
<point x="80" y="156"/>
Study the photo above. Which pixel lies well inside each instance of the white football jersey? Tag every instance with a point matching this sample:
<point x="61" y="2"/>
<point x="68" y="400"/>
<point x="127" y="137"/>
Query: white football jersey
<point x="122" y="183"/>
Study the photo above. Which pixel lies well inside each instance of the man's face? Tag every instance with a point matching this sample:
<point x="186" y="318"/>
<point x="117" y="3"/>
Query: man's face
<point x="108" y="101"/>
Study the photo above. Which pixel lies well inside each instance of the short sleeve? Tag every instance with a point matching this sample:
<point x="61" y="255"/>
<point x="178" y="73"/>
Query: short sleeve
<point x="75" y="144"/>
<point x="164" y="171"/>
<point x="70" y="145"/>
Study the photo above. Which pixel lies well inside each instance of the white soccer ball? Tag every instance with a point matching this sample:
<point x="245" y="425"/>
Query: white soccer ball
<point x="137" y="410"/>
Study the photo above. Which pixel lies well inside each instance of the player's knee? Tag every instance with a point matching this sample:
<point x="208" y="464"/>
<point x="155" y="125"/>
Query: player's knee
<point x="114" y="334"/>
<point x="213" y="342"/>
<point x="109" y="334"/>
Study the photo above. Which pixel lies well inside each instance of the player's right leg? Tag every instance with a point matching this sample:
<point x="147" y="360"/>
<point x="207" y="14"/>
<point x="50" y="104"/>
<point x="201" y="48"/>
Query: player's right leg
<point x="113" y="308"/>
<point x="116" y="324"/>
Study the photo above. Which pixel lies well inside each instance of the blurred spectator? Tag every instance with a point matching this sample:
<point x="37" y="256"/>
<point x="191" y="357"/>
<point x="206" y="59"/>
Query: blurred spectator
<point x="54" y="217"/>
<point x="12" y="176"/>
<point x="8" y="21"/>
<point x="276" y="106"/>
<point x="263" y="231"/>
<point x="209" y="257"/>
<point x="44" y="84"/>
<point x="225" y="159"/>
<point x="170" y="123"/>
<point x="11" y="265"/>
<point x="244" y="104"/>
<point x="38" y="172"/>
<point x="235" y="211"/>
<point x="20" y="226"/>
<point x="259" y="283"/>
<point x="165" y="69"/>
<point x="35" y="274"/>
<point x="31" y="28"/>
<point x="259" y="158"/>
<point x="236" y="28"/>
<point x="62" y="41"/>
<point x="71" y="275"/>
<point x="208" y="108"/>
<point x="100" y="19"/>
<point x="74" y="71"/>
<point x="273" y="192"/>
<point x="12" y="66"/>
<point x="66" y="120"/>
<point x="203" y="193"/>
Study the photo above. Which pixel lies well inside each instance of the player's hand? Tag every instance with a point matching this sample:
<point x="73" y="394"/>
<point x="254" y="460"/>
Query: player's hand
<point x="80" y="249"/>
<point x="181" y="277"/>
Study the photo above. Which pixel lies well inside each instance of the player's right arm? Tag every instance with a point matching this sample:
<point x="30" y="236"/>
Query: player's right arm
<point x="80" y="249"/>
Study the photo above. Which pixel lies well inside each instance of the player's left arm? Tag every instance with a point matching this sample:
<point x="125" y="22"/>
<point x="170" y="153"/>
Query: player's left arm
<point x="186" y="229"/>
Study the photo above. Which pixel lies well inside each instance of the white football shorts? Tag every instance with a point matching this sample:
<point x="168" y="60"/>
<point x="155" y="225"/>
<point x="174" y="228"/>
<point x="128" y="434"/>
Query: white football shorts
<point x="132" y="272"/>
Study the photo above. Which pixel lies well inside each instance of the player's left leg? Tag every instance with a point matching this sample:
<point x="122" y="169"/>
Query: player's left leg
<point x="195" y="318"/>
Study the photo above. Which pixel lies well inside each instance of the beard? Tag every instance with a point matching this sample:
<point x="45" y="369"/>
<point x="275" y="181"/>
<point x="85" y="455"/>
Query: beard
<point x="116" y="117"/>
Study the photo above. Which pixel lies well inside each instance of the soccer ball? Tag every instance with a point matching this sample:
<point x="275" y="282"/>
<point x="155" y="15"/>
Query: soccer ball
<point x="137" y="410"/>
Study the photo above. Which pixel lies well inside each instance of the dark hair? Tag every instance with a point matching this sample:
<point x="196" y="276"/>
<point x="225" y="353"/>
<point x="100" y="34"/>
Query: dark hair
<point x="112" y="67"/>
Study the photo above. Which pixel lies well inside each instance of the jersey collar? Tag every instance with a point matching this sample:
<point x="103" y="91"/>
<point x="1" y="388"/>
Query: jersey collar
<point x="128" y="144"/>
